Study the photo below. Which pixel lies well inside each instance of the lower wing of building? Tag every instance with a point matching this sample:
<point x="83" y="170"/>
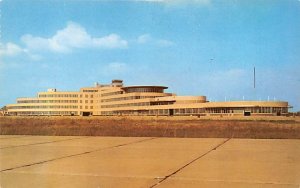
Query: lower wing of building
<point x="116" y="99"/>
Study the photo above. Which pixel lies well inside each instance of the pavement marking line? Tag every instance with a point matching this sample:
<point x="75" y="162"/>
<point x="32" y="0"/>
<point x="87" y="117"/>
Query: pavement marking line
<point x="7" y="147"/>
<point x="78" y="154"/>
<point x="189" y="163"/>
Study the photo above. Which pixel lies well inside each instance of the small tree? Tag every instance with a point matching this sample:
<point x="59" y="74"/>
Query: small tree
<point x="3" y="110"/>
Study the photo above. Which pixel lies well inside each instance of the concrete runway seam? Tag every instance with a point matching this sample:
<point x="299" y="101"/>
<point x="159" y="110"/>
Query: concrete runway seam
<point x="43" y="143"/>
<point x="189" y="163"/>
<point x="78" y="154"/>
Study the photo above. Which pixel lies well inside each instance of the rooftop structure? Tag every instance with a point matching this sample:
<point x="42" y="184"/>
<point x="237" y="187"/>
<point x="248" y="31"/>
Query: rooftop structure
<point x="117" y="99"/>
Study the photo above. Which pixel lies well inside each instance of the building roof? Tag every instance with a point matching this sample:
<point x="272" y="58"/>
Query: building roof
<point x="160" y="87"/>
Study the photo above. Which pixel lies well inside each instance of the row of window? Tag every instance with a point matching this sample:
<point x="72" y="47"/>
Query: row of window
<point x="163" y="111"/>
<point x="90" y="90"/>
<point x="145" y="90"/>
<point x="249" y="109"/>
<point x="47" y="101"/>
<point x="57" y="95"/>
<point x="87" y="96"/>
<point x="157" y="112"/>
<point x="86" y="107"/>
<point x="125" y="105"/>
<point x="126" y="98"/>
<point x="65" y="95"/>
<point x="111" y="93"/>
<point x="43" y="107"/>
<point x="190" y="111"/>
<point x="102" y="95"/>
<point x="138" y="104"/>
<point x="86" y="101"/>
<point x="161" y="103"/>
<point x="44" y="113"/>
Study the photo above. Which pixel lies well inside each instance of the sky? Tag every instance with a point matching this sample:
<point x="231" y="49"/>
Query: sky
<point x="195" y="47"/>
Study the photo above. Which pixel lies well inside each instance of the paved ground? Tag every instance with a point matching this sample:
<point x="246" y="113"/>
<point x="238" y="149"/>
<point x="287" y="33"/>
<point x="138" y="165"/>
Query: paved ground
<point x="48" y="161"/>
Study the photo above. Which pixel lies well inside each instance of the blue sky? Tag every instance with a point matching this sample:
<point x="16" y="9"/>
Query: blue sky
<point x="196" y="47"/>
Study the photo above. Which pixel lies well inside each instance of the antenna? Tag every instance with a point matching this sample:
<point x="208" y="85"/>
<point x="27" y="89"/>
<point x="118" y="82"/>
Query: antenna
<point x="254" y="77"/>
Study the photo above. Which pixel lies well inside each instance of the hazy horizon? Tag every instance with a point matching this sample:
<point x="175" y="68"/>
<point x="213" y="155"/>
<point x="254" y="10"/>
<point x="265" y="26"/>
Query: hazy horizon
<point x="195" y="47"/>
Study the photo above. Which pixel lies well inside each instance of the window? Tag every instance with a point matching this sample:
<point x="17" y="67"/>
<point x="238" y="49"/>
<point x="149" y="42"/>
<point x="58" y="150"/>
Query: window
<point x="90" y="90"/>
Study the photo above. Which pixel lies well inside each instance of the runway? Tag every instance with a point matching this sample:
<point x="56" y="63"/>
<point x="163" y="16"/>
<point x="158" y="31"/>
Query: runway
<point x="79" y="161"/>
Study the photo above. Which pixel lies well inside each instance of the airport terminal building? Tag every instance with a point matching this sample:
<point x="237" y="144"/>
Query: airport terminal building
<point x="117" y="99"/>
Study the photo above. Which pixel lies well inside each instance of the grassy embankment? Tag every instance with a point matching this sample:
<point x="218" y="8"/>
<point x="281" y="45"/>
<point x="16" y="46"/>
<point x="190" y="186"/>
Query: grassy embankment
<point x="153" y="127"/>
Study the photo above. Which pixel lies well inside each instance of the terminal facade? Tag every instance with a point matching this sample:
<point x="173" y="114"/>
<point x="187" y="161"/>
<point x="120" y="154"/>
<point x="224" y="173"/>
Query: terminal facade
<point x="117" y="99"/>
